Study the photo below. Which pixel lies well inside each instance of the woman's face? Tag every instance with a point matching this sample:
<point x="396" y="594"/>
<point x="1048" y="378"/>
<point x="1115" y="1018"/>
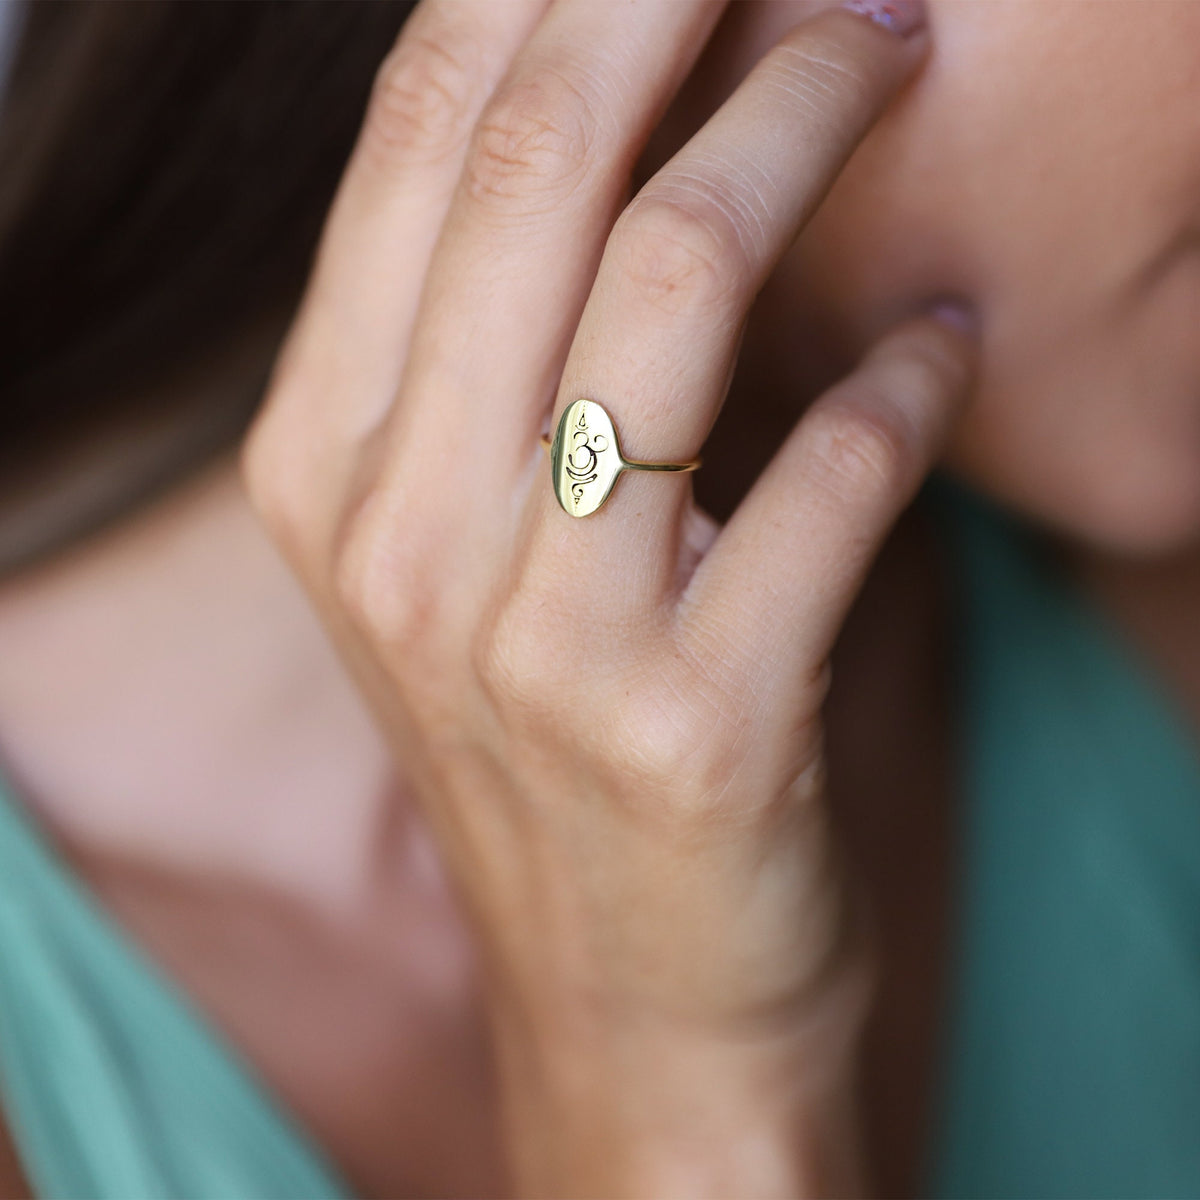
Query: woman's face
<point x="1046" y="163"/>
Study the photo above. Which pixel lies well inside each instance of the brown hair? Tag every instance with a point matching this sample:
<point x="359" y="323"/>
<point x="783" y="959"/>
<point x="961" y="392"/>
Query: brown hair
<point x="164" y="171"/>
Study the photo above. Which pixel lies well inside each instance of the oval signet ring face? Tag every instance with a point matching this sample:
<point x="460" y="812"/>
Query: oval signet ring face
<point x="585" y="458"/>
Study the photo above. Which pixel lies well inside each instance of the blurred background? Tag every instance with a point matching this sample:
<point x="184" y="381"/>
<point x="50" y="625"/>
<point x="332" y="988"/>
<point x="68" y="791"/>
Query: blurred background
<point x="165" y="167"/>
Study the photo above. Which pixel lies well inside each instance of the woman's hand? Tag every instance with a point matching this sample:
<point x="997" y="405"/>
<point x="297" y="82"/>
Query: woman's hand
<point x="612" y="724"/>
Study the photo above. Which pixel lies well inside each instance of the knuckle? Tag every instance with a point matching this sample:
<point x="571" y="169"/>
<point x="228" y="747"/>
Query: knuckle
<point x="666" y="757"/>
<point x="506" y="673"/>
<point x="680" y="252"/>
<point x="861" y="446"/>
<point x="268" y="476"/>
<point x="275" y="454"/>
<point x="534" y="143"/>
<point x="382" y="582"/>
<point x="421" y="97"/>
<point x="668" y="745"/>
<point x="520" y="664"/>
<point x="682" y="743"/>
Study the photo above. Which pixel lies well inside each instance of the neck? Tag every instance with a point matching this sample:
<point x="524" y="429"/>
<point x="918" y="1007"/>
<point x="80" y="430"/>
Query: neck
<point x="170" y="698"/>
<point x="1153" y="602"/>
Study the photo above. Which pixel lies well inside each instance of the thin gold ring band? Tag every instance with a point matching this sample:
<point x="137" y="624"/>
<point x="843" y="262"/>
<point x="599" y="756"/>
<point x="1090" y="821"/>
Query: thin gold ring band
<point x="634" y="464"/>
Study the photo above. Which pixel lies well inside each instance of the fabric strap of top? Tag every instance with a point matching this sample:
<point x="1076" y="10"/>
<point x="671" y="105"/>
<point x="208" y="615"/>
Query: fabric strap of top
<point x="114" y="1085"/>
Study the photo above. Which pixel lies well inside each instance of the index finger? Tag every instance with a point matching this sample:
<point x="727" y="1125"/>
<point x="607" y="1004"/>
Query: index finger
<point x="659" y="334"/>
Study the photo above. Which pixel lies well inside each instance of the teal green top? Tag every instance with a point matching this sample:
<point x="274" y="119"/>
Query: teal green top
<point x="114" y="1084"/>
<point x="1070" y="1064"/>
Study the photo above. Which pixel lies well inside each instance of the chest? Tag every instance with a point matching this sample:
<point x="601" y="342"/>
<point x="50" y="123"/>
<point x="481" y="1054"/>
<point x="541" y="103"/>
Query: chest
<point x="382" y="1054"/>
<point x="365" y="1027"/>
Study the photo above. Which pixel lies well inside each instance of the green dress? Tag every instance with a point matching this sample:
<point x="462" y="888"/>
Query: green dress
<point x="1070" y="1064"/>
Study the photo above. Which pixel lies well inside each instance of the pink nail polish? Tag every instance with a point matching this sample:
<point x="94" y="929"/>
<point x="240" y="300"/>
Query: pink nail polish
<point x="956" y="312"/>
<point x="900" y="16"/>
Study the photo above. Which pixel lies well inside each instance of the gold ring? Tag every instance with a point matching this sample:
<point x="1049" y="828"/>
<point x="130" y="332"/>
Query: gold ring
<point x="586" y="458"/>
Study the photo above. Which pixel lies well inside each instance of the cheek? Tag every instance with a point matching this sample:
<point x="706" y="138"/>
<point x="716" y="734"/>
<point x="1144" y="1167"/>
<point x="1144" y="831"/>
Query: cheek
<point x="1031" y="168"/>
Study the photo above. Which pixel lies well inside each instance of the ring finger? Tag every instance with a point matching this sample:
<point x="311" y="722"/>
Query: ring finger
<point x="659" y="334"/>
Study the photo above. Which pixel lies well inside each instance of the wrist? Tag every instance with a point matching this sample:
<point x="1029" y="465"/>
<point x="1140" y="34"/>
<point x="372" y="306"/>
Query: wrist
<point x="640" y="1107"/>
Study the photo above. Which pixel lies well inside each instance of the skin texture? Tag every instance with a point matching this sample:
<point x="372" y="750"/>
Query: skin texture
<point x="676" y="963"/>
<point x="1044" y="164"/>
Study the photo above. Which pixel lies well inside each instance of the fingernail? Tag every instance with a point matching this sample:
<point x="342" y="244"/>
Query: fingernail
<point x="900" y="16"/>
<point x="957" y="313"/>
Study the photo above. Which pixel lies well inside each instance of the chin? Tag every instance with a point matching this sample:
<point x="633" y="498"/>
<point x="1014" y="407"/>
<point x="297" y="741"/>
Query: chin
<point x="1141" y="501"/>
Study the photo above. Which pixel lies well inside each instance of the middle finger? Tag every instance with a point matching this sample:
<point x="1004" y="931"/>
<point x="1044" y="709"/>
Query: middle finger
<point x="658" y="337"/>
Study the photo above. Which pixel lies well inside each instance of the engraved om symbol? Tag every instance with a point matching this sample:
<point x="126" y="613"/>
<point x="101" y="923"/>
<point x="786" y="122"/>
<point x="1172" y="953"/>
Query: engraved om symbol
<point x="586" y="449"/>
